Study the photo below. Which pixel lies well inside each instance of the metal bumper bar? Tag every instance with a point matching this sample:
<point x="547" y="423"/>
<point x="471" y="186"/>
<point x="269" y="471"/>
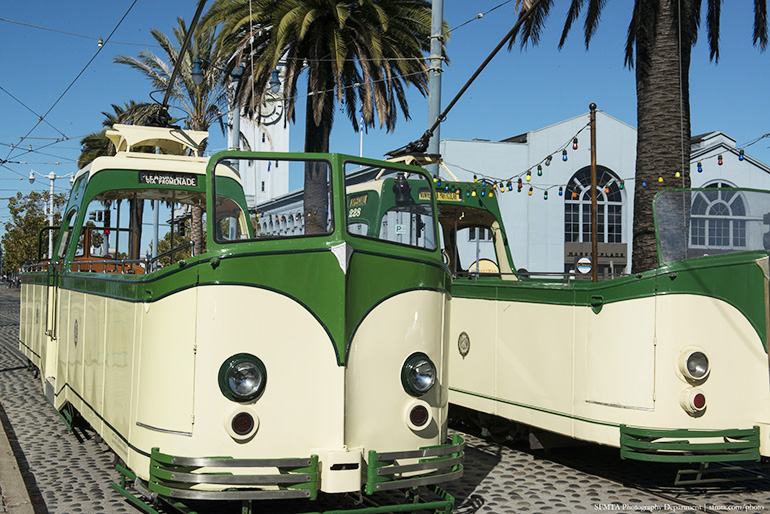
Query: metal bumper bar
<point x="682" y="445"/>
<point x="438" y="463"/>
<point x="177" y="477"/>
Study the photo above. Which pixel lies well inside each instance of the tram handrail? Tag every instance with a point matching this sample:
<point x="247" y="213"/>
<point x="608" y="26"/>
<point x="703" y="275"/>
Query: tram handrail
<point x="524" y="275"/>
<point x="189" y="244"/>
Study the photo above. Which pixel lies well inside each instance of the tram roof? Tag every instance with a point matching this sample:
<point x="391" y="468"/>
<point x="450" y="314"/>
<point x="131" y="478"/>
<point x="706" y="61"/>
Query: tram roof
<point x="175" y="142"/>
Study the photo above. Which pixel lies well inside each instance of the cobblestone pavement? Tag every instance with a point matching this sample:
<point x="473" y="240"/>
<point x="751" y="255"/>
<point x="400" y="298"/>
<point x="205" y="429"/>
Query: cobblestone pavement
<point x="71" y="473"/>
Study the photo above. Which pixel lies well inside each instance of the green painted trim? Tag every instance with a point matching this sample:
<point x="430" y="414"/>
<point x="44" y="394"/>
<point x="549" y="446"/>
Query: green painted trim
<point x="732" y="278"/>
<point x="537" y="409"/>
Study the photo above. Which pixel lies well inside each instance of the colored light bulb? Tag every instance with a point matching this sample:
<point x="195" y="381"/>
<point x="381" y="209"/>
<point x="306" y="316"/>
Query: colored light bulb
<point x="561" y="191"/>
<point x="564" y="155"/>
<point x="700" y="167"/>
<point x="574" y="144"/>
<point x="539" y="170"/>
<point x="719" y="159"/>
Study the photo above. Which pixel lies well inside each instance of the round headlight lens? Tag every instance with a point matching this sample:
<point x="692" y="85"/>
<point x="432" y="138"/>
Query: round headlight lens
<point x="418" y="374"/>
<point x="697" y="365"/>
<point x="242" y="377"/>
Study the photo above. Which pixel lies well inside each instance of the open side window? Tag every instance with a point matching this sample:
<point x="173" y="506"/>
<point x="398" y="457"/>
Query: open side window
<point x="118" y="230"/>
<point x="473" y="243"/>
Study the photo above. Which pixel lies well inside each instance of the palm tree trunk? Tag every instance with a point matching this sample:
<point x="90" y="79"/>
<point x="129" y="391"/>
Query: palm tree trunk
<point x="663" y="115"/>
<point x="196" y="227"/>
<point x="316" y="173"/>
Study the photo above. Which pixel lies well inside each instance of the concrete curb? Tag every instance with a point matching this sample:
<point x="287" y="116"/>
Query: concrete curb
<point x="15" y="498"/>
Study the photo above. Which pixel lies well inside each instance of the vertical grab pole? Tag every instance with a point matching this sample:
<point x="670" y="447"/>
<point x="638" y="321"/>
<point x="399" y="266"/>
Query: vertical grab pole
<point x="594" y="216"/>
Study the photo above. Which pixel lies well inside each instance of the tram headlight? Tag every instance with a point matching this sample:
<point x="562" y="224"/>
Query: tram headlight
<point x="694" y="364"/>
<point x="242" y="377"/>
<point x="418" y="375"/>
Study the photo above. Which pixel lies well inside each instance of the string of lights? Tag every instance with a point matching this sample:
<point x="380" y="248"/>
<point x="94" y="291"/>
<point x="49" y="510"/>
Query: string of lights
<point x="503" y="184"/>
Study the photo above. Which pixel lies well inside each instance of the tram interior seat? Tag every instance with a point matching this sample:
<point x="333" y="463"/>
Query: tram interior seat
<point x="484" y="267"/>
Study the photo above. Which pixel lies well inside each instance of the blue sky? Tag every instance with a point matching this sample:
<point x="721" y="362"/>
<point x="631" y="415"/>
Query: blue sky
<point x="519" y="91"/>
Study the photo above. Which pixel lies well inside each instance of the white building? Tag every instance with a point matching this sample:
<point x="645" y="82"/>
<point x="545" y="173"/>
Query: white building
<point x="263" y="181"/>
<point x="548" y="221"/>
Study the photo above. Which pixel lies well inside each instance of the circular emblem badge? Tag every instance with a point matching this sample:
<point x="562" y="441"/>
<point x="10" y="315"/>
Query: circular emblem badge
<point x="464" y="344"/>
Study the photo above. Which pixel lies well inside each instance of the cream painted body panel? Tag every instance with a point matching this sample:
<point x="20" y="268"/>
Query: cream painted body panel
<point x="569" y="370"/>
<point x="377" y="403"/>
<point x="96" y="338"/>
<point x="32" y="324"/>
<point x="145" y="374"/>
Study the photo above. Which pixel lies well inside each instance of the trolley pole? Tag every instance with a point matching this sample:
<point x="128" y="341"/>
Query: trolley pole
<point x="594" y="210"/>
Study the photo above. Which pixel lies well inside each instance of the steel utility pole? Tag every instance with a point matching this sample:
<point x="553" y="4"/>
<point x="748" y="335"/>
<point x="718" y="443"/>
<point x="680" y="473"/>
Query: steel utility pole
<point x="434" y="77"/>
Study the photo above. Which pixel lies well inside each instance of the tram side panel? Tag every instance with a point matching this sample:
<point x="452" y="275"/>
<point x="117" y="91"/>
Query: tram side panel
<point x="32" y="323"/>
<point x="163" y="372"/>
<point x="513" y="359"/>
<point x="615" y="364"/>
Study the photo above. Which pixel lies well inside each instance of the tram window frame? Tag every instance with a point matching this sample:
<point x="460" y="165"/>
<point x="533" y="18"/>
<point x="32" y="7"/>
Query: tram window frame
<point x="351" y="168"/>
<point x="116" y="202"/>
<point x="256" y="221"/>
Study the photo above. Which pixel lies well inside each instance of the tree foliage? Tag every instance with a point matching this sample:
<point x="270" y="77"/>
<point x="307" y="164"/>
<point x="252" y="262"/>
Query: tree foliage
<point x="360" y="53"/>
<point x="28" y="218"/>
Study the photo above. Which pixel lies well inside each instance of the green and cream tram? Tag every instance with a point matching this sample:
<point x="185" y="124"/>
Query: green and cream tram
<point x="668" y="365"/>
<point x="296" y="353"/>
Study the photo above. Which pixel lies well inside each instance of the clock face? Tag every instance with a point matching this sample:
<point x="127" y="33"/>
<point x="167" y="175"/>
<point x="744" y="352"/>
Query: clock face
<point x="272" y="109"/>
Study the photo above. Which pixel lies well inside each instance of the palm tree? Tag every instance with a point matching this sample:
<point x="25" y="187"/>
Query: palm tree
<point x="202" y="104"/>
<point x="98" y="144"/>
<point x="659" y="43"/>
<point x="361" y="52"/>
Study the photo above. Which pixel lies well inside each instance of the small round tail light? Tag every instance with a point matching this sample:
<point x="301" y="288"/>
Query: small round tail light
<point x="242" y="423"/>
<point x="693" y="401"/>
<point x="418" y="415"/>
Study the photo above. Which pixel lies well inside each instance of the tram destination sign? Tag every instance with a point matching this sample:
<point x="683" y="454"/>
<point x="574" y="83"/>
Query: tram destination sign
<point x="160" y="178"/>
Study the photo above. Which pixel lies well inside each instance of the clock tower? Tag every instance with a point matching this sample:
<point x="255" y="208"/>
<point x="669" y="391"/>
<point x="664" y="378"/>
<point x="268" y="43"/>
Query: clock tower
<point x="265" y="180"/>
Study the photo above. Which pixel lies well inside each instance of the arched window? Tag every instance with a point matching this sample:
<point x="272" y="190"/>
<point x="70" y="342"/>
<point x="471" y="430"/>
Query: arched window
<point x="577" y="208"/>
<point x="718" y="218"/>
